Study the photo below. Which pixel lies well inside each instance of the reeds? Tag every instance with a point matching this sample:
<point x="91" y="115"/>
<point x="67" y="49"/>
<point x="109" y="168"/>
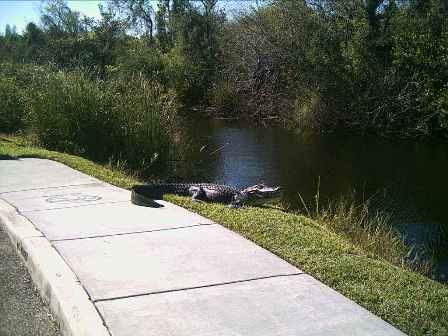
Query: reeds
<point x="11" y="105"/>
<point x="370" y="229"/>
<point x="126" y="118"/>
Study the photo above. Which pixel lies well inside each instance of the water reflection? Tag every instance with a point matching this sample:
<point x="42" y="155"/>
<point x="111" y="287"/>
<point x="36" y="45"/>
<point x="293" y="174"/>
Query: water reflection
<point x="414" y="174"/>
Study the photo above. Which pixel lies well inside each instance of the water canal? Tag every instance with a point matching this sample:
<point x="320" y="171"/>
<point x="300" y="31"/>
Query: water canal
<point x="409" y="178"/>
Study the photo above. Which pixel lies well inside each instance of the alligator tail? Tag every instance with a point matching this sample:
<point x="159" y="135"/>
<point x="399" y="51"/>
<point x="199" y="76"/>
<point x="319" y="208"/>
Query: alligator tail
<point x="146" y="194"/>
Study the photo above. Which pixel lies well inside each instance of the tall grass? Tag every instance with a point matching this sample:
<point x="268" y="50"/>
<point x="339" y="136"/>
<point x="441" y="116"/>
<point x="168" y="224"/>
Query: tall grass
<point x="126" y="119"/>
<point x="368" y="228"/>
<point x="12" y="109"/>
<point x="147" y="118"/>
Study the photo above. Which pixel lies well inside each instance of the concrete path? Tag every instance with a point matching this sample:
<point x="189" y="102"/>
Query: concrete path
<point x="108" y="267"/>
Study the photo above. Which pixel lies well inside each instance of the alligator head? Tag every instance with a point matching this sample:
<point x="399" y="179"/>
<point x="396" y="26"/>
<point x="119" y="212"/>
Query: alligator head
<point x="258" y="194"/>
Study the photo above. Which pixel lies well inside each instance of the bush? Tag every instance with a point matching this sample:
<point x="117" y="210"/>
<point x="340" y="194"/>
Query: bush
<point x="73" y="113"/>
<point x="11" y="105"/>
<point x="126" y="119"/>
<point x="224" y="98"/>
<point x="146" y="119"/>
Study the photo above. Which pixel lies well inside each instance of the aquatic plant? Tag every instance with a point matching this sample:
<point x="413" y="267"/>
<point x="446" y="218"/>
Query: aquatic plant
<point x="369" y="228"/>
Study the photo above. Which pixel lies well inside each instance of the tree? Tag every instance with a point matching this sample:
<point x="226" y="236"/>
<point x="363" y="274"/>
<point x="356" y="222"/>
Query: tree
<point x="35" y="41"/>
<point x="138" y="15"/>
<point x="109" y="32"/>
<point x="59" y="20"/>
<point x="209" y="6"/>
<point x="163" y="38"/>
<point x="10" y="44"/>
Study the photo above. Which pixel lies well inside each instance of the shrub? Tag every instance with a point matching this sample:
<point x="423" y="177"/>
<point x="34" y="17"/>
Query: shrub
<point x="11" y="105"/>
<point x="126" y="118"/>
<point x="146" y="119"/>
<point x="224" y="98"/>
<point x="72" y="114"/>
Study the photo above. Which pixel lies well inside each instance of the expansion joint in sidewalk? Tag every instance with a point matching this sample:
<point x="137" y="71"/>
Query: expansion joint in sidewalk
<point x="131" y="233"/>
<point x="51" y="187"/>
<point x="198" y="287"/>
<point x="74" y="206"/>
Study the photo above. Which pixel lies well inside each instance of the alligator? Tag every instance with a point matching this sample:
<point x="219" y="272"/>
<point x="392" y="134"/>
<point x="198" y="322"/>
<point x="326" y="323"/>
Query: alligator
<point x="258" y="194"/>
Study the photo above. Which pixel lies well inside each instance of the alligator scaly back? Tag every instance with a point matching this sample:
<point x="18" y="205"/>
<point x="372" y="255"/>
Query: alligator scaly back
<point x="208" y="192"/>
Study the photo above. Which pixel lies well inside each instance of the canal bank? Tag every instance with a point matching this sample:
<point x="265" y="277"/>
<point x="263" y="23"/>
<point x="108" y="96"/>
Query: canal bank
<point x="404" y="178"/>
<point x="156" y="271"/>
<point x="409" y="301"/>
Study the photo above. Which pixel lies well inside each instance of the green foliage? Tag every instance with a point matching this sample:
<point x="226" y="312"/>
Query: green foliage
<point x="11" y="105"/>
<point x="224" y="99"/>
<point x="124" y="119"/>
<point x="59" y="20"/>
<point x="146" y="116"/>
<point x="367" y="65"/>
<point x="127" y="119"/>
<point x="421" y="58"/>
<point x="136" y="57"/>
<point x="137" y="15"/>
<point x="103" y="88"/>
<point x="370" y="230"/>
<point x="183" y="56"/>
<point x="371" y="65"/>
<point x="108" y="36"/>
<point x="35" y="41"/>
<point x="73" y="113"/>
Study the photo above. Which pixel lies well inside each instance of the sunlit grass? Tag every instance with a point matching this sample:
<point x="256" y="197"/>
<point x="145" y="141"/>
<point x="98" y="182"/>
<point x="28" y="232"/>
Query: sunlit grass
<point x="20" y="146"/>
<point x="371" y="230"/>
<point x="408" y="300"/>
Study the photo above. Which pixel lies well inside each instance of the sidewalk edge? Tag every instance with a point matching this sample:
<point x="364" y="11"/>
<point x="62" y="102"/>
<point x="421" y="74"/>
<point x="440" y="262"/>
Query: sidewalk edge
<point x="75" y="314"/>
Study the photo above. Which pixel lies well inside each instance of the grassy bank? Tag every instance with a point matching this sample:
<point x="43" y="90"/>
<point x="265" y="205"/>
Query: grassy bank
<point x="411" y="302"/>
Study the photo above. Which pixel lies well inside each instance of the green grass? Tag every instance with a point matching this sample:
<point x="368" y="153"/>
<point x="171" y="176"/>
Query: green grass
<point x="17" y="146"/>
<point x="372" y="231"/>
<point x="413" y="303"/>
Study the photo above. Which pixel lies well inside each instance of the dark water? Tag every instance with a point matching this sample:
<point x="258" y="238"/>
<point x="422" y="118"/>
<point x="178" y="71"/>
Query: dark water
<point x="409" y="179"/>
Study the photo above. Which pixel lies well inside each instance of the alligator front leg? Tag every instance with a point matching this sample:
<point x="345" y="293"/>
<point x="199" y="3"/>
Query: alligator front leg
<point x="197" y="193"/>
<point x="235" y="205"/>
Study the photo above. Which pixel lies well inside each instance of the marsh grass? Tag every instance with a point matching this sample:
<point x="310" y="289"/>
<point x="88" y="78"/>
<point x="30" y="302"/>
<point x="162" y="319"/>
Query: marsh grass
<point x="11" y="105"/>
<point x="369" y="228"/>
<point x="126" y="120"/>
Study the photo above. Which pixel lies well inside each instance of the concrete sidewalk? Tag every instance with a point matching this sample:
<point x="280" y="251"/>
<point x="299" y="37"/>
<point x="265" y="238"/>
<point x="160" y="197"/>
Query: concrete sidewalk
<point x="108" y="267"/>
